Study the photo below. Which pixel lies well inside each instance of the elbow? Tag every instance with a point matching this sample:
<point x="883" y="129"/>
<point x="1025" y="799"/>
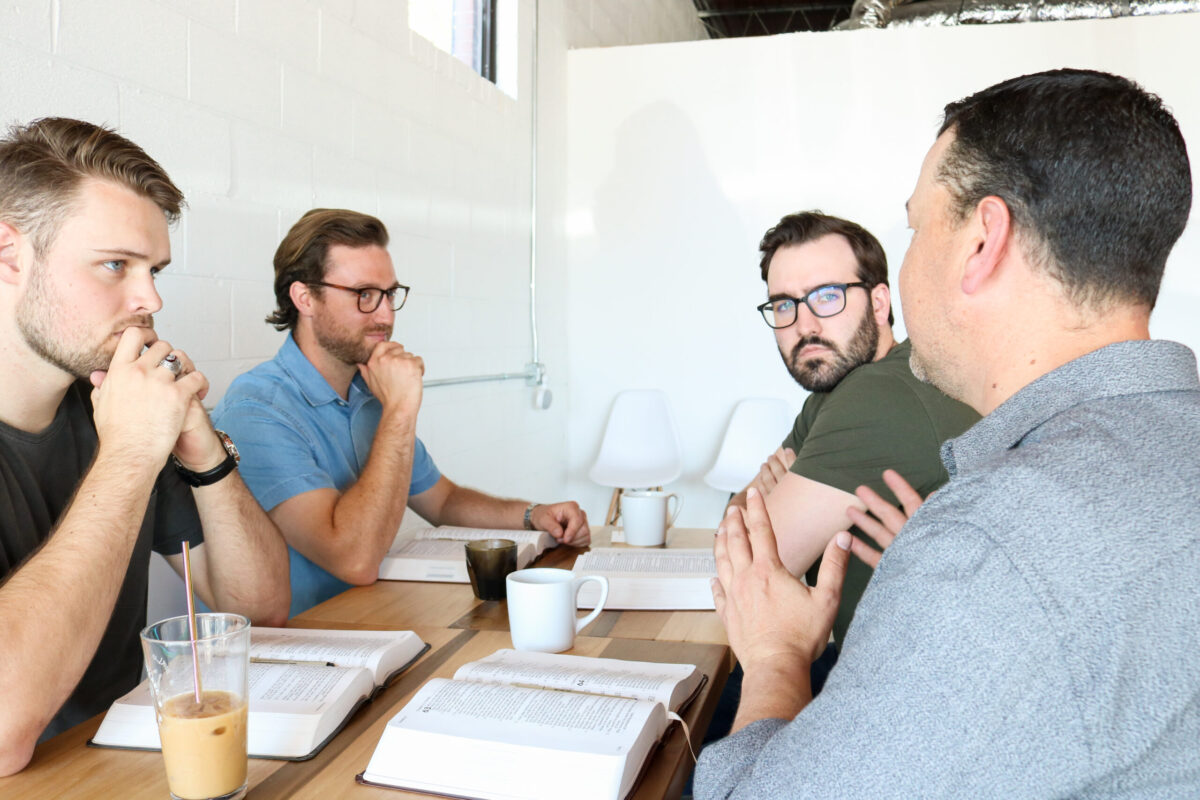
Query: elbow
<point x="16" y="751"/>
<point x="277" y="618"/>
<point x="363" y="574"/>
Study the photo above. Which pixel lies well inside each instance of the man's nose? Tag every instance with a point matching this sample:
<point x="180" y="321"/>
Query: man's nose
<point x="143" y="295"/>
<point x="807" y="323"/>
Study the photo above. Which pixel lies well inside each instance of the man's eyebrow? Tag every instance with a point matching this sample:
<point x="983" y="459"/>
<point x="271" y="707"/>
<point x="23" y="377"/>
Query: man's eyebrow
<point x="120" y="251"/>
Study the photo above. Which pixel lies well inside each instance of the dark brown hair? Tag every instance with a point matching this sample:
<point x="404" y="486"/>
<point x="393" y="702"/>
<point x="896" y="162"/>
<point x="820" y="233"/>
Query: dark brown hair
<point x="301" y="254"/>
<point x="808" y="226"/>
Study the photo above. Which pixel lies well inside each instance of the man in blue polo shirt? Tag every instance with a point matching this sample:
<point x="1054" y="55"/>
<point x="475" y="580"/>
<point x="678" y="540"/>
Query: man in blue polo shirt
<point x="327" y="429"/>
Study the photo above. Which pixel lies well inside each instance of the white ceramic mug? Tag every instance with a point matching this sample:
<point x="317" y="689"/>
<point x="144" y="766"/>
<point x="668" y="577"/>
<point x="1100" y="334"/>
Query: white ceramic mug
<point x="541" y="608"/>
<point x="645" y="518"/>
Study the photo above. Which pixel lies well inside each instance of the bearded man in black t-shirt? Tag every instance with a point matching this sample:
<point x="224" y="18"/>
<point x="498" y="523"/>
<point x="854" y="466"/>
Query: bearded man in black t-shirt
<point x="105" y="449"/>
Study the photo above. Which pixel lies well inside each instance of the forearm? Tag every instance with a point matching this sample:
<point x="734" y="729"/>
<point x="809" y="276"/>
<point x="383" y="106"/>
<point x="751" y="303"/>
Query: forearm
<point x="469" y="508"/>
<point x="367" y="515"/>
<point x="246" y="562"/>
<point x="54" y="609"/>
<point x="775" y="691"/>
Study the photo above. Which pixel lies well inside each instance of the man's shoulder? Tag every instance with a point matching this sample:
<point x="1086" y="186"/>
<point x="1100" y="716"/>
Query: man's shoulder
<point x="267" y="384"/>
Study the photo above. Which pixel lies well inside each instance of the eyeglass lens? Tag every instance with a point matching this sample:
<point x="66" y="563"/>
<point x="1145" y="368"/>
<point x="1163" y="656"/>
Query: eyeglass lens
<point x="824" y="301"/>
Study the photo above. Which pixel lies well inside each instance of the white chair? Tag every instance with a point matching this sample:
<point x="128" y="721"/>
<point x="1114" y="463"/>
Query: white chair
<point x="755" y="430"/>
<point x="640" y="449"/>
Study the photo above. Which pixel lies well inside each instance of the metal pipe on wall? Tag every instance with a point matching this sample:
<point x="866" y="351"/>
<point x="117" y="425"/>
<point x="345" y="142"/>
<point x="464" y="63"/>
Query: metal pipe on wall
<point x="535" y="372"/>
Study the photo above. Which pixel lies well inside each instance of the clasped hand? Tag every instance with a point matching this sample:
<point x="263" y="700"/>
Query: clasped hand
<point x="771" y="618"/>
<point x="148" y="412"/>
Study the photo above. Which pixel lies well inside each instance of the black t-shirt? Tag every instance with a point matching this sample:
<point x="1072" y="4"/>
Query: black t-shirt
<point x="38" y="476"/>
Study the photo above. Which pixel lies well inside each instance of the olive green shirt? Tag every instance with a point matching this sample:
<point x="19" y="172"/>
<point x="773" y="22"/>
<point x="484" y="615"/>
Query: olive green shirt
<point x="878" y="417"/>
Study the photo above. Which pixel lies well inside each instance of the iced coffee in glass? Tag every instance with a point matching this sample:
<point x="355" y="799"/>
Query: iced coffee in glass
<point x="203" y="737"/>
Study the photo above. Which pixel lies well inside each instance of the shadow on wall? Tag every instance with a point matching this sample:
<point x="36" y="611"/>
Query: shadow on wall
<point x="659" y="285"/>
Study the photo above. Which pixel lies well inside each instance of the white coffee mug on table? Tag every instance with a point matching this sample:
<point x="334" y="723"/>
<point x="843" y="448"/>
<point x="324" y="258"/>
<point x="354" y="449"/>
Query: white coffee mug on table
<point x="644" y="516"/>
<point x="541" y="608"/>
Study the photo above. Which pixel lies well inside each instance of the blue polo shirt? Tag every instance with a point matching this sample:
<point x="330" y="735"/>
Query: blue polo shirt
<point x="296" y="434"/>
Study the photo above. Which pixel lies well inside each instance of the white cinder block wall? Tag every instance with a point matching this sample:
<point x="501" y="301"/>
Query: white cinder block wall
<point x="262" y="109"/>
<point x="682" y="155"/>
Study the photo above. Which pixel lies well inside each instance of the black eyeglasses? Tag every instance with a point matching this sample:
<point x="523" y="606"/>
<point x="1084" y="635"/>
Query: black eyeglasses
<point x="369" y="297"/>
<point x="824" y="301"/>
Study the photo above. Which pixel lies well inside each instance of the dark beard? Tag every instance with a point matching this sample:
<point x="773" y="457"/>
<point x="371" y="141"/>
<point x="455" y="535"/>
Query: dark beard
<point x="822" y="374"/>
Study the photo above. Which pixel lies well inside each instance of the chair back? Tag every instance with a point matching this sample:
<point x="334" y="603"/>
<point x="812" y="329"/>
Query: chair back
<point x="641" y="446"/>
<point x="755" y="430"/>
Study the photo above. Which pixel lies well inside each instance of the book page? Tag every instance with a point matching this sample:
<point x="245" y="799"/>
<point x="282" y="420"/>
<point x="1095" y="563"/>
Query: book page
<point x="609" y="676"/>
<point x="539" y="539"/>
<point x="344" y="648"/>
<point x="585" y="722"/>
<point x="647" y="562"/>
<point x="297" y="688"/>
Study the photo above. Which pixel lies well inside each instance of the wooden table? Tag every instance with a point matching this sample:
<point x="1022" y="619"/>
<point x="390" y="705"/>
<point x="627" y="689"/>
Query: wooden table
<point x="459" y="629"/>
<point x="403" y="604"/>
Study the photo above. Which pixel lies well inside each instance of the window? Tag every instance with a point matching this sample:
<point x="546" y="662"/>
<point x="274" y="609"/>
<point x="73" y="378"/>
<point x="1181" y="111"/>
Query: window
<point x="480" y="33"/>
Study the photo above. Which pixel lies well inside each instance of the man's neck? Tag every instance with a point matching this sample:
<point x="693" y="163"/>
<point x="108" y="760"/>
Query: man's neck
<point x="31" y="389"/>
<point x="887" y="340"/>
<point x="337" y="373"/>
<point x="1038" y="353"/>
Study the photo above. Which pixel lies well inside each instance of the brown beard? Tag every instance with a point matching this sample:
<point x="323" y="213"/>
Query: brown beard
<point x="35" y="317"/>
<point x="823" y="373"/>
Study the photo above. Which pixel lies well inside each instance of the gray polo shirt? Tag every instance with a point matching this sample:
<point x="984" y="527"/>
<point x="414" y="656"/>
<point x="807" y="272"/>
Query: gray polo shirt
<point x="1034" y="631"/>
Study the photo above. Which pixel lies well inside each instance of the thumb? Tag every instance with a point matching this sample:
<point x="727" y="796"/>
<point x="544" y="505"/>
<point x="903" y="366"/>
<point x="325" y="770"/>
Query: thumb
<point x="834" y="561"/>
<point x="97" y="377"/>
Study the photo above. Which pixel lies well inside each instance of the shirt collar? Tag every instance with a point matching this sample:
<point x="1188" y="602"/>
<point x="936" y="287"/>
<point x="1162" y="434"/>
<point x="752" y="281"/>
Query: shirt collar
<point x="1124" y="368"/>
<point x="312" y="384"/>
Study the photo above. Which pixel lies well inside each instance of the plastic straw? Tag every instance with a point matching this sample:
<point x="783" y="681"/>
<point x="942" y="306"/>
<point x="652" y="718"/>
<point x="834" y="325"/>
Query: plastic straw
<point x="191" y="607"/>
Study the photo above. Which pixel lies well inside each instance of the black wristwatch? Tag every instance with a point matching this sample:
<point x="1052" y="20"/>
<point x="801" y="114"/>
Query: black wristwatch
<point x="209" y="477"/>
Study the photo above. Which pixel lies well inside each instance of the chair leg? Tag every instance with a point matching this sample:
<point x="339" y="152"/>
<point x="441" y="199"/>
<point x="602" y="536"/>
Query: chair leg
<point x="614" y="508"/>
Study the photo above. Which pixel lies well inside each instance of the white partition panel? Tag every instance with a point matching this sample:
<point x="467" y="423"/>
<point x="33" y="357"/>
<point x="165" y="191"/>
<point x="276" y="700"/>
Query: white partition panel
<point x="681" y="155"/>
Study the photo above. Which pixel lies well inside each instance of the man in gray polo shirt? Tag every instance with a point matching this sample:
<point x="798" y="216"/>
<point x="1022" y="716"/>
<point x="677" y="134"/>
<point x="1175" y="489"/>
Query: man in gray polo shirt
<point x="1032" y="631"/>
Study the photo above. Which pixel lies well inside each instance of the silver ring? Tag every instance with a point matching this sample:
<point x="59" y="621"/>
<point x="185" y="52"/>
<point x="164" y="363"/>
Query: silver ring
<point x="172" y="364"/>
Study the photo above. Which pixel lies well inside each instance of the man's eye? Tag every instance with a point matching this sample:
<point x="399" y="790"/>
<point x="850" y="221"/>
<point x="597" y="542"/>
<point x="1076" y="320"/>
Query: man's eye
<point x="784" y="306"/>
<point x="825" y="296"/>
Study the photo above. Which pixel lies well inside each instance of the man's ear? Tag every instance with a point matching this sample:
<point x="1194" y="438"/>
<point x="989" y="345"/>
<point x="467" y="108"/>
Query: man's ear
<point x="10" y="248"/>
<point x="302" y="297"/>
<point x="881" y="303"/>
<point x="993" y="224"/>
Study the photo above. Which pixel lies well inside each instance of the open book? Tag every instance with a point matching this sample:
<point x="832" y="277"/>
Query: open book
<point x="436" y="554"/>
<point x="304" y="685"/>
<point x="648" y="579"/>
<point x="532" y="725"/>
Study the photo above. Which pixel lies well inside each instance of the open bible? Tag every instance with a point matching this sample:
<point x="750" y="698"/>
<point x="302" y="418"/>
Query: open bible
<point x="533" y="725"/>
<point x="436" y="554"/>
<point x="303" y="686"/>
<point x="648" y="579"/>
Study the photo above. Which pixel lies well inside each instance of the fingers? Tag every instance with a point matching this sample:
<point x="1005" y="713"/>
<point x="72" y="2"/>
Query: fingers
<point x="721" y="556"/>
<point x="865" y="553"/>
<point x="130" y="345"/>
<point x="905" y="493"/>
<point x="736" y="540"/>
<point x="871" y="526"/>
<point x="832" y="572"/>
<point x="892" y="518"/>
<point x="718" y="593"/>
<point x="762" y="535"/>
<point x="779" y="464"/>
<point x="576" y="523"/>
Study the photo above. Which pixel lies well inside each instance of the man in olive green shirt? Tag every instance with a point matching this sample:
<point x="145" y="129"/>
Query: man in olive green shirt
<point x="830" y="307"/>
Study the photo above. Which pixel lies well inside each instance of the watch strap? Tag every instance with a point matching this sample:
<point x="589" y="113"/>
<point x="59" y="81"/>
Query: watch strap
<point x="211" y="476"/>
<point x="528" y="516"/>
